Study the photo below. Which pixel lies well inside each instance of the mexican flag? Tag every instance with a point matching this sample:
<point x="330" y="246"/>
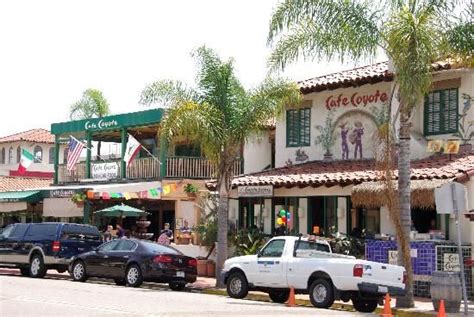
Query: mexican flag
<point x="25" y="161"/>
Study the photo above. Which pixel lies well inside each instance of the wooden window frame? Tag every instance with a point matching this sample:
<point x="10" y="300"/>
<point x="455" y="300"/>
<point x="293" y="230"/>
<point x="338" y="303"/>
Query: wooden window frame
<point x="299" y="130"/>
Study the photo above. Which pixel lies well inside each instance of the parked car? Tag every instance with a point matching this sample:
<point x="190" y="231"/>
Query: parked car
<point x="36" y="247"/>
<point x="131" y="262"/>
<point x="310" y="268"/>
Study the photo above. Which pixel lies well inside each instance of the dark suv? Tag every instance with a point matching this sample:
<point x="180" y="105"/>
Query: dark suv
<point x="36" y="247"/>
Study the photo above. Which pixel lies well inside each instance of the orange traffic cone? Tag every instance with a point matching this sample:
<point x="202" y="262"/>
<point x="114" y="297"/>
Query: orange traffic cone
<point x="291" y="299"/>
<point x="441" y="310"/>
<point x="387" y="309"/>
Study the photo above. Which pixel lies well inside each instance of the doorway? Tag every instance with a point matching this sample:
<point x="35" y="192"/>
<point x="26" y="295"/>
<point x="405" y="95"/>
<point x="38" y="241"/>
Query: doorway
<point x="322" y="215"/>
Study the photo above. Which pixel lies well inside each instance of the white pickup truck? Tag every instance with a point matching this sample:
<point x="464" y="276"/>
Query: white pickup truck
<point x="311" y="268"/>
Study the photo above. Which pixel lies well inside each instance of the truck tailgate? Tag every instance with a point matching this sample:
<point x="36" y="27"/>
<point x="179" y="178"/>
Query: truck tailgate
<point x="383" y="274"/>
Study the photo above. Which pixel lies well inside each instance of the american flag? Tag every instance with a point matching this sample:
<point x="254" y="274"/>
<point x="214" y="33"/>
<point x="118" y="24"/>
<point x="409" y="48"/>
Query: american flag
<point x="74" y="152"/>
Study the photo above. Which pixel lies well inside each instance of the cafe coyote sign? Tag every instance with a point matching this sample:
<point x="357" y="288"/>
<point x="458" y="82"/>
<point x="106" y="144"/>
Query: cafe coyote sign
<point x="100" y="124"/>
<point x="105" y="170"/>
<point x="355" y="100"/>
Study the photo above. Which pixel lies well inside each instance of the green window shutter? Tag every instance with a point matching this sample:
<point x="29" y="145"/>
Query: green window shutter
<point x="305" y="126"/>
<point x="292" y="128"/>
<point x="441" y="112"/>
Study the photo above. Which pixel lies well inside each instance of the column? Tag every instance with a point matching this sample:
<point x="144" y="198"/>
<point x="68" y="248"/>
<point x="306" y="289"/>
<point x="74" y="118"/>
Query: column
<point x="88" y="155"/>
<point x="87" y="212"/>
<point x="163" y="152"/>
<point x="123" y="166"/>
<point x="56" y="158"/>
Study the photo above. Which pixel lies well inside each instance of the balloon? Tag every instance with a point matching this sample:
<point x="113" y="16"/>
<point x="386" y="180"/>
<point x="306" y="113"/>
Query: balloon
<point x="279" y="221"/>
<point x="288" y="216"/>
<point x="282" y="212"/>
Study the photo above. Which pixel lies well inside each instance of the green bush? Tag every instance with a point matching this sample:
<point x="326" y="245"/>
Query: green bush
<point x="248" y="242"/>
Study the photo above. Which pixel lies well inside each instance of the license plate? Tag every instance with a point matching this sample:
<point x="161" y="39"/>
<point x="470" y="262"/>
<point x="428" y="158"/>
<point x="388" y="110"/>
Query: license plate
<point x="383" y="289"/>
<point x="180" y="274"/>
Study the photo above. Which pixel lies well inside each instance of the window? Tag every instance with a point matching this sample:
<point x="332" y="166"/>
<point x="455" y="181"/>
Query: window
<point x="51" y="155"/>
<point x="441" y="112"/>
<point x="157" y="248"/>
<point x="298" y="126"/>
<point x="10" y="156"/>
<point x="187" y="150"/>
<point x="126" y="245"/>
<point x="42" y="230"/>
<point x="307" y="245"/>
<point x="66" y="152"/>
<point x="109" y="246"/>
<point x="18" y="154"/>
<point x="273" y="249"/>
<point x="19" y="231"/>
<point x="2" y="157"/>
<point x="38" y="154"/>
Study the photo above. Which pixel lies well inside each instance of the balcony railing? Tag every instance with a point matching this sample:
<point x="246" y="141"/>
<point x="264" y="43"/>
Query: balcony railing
<point x="149" y="168"/>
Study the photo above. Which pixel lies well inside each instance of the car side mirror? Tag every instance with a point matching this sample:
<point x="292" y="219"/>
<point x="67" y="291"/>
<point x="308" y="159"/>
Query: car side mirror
<point x="259" y="253"/>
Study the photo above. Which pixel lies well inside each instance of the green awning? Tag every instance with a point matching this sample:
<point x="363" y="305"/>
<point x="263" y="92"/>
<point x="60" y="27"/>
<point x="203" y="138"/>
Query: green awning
<point x="29" y="196"/>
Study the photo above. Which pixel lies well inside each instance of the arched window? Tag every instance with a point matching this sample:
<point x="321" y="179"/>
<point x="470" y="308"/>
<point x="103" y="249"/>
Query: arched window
<point x="2" y="157"/>
<point x="38" y="154"/>
<point x="66" y="152"/>
<point x="10" y="156"/>
<point x="51" y="155"/>
<point x="18" y="154"/>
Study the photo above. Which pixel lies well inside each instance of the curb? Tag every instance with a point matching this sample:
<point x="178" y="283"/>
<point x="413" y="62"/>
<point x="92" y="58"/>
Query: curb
<point x="336" y="306"/>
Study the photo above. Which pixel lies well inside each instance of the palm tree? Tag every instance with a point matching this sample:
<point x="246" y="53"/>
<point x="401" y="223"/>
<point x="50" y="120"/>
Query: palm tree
<point x="413" y="34"/>
<point x="91" y="105"/>
<point x="220" y="115"/>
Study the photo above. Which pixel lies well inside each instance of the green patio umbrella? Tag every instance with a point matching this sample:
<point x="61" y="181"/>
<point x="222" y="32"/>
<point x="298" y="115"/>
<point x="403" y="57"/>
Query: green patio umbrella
<point x="121" y="211"/>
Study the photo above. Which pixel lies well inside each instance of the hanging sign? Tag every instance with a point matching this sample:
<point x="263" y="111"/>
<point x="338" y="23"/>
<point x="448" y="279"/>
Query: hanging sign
<point x="255" y="191"/>
<point x="104" y="170"/>
<point x="451" y="262"/>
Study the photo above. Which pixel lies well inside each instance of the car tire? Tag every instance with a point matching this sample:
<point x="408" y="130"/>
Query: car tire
<point x="177" y="286"/>
<point x="365" y="305"/>
<point x="237" y="286"/>
<point x="133" y="276"/>
<point x="321" y="293"/>
<point x="279" y="296"/>
<point x="25" y="271"/>
<point x="37" y="268"/>
<point x="78" y="271"/>
<point x="120" y="282"/>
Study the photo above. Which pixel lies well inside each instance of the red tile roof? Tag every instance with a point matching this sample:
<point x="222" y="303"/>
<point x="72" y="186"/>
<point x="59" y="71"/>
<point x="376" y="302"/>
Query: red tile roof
<point x="33" y="135"/>
<point x="8" y="183"/>
<point x="343" y="173"/>
<point x="355" y="77"/>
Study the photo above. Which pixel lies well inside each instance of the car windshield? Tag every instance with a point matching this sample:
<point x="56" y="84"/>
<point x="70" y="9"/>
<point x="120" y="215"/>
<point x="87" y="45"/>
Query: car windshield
<point x="310" y="245"/>
<point x="158" y="248"/>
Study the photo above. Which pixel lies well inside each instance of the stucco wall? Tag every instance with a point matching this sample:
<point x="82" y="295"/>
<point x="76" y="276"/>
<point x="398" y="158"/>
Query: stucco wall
<point x="257" y="153"/>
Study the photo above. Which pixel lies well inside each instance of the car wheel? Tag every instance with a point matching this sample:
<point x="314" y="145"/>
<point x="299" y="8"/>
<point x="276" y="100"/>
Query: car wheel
<point x="365" y="305"/>
<point x="25" y="271"/>
<point x="37" y="268"/>
<point x="279" y="296"/>
<point x="133" y="276"/>
<point x="78" y="271"/>
<point x="119" y="282"/>
<point x="321" y="293"/>
<point x="177" y="286"/>
<point x="237" y="286"/>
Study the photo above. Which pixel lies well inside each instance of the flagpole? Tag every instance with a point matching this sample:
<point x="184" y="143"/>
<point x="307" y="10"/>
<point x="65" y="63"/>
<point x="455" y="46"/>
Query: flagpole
<point x="146" y="150"/>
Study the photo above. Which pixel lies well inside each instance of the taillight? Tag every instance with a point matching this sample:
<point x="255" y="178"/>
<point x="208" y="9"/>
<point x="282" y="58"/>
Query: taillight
<point x="192" y="262"/>
<point x="56" y="246"/>
<point x="358" y="270"/>
<point x="162" y="259"/>
<point x="405" y="277"/>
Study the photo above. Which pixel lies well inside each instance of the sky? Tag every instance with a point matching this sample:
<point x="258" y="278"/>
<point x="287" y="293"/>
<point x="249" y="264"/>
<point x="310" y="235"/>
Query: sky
<point x="51" y="51"/>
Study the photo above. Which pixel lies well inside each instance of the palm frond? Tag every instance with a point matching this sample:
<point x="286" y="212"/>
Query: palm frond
<point x="167" y="93"/>
<point x="92" y="104"/>
<point x="346" y="29"/>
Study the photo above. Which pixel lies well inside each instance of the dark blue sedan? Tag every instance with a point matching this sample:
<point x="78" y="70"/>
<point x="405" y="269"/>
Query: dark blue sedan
<point x="131" y="262"/>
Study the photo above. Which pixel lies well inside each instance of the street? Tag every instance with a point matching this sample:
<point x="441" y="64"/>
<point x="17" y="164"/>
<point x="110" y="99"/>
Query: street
<point x="56" y="296"/>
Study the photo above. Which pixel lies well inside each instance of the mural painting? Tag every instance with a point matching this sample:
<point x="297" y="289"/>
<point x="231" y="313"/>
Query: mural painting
<point x="466" y="129"/>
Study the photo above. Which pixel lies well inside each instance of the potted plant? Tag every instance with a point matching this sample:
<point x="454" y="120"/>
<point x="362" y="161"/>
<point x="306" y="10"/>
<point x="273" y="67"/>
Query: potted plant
<point x="79" y="199"/>
<point x="191" y="190"/>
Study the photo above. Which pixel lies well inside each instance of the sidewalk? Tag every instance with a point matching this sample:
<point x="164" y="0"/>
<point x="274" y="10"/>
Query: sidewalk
<point x="423" y="306"/>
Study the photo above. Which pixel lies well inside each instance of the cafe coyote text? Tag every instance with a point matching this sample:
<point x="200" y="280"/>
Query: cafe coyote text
<point x="355" y="100"/>
<point x="101" y="124"/>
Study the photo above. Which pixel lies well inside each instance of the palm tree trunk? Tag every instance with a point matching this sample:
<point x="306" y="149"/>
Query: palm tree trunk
<point x="222" y="223"/>
<point x="404" y="257"/>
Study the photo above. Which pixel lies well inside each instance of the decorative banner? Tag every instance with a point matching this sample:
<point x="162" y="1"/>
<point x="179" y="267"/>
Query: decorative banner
<point x="104" y="170"/>
<point x="90" y="194"/>
<point x="105" y="196"/>
<point x="452" y="147"/>
<point x="166" y="189"/>
<point x="434" y="146"/>
<point x="127" y="196"/>
<point x="153" y="193"/>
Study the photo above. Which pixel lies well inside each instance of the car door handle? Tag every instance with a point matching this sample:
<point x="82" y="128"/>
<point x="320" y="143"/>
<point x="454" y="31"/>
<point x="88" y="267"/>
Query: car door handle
<point x="106" y="256"/>
<point x="126" y="256"/>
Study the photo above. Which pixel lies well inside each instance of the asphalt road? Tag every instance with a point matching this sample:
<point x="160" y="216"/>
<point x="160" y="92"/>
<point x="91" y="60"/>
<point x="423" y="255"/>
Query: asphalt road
<point x="55" y="296"/>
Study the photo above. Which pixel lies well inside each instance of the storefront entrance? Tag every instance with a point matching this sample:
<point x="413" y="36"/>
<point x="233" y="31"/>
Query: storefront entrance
<point x="322" y="215"/>
<point x="251" y="213"/>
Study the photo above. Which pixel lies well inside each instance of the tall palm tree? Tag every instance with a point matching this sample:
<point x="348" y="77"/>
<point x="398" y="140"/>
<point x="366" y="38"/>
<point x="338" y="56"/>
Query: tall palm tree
<point x="220" y="115"/>
<point x="413" y="34"/>
<point x="91" y="105"/>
